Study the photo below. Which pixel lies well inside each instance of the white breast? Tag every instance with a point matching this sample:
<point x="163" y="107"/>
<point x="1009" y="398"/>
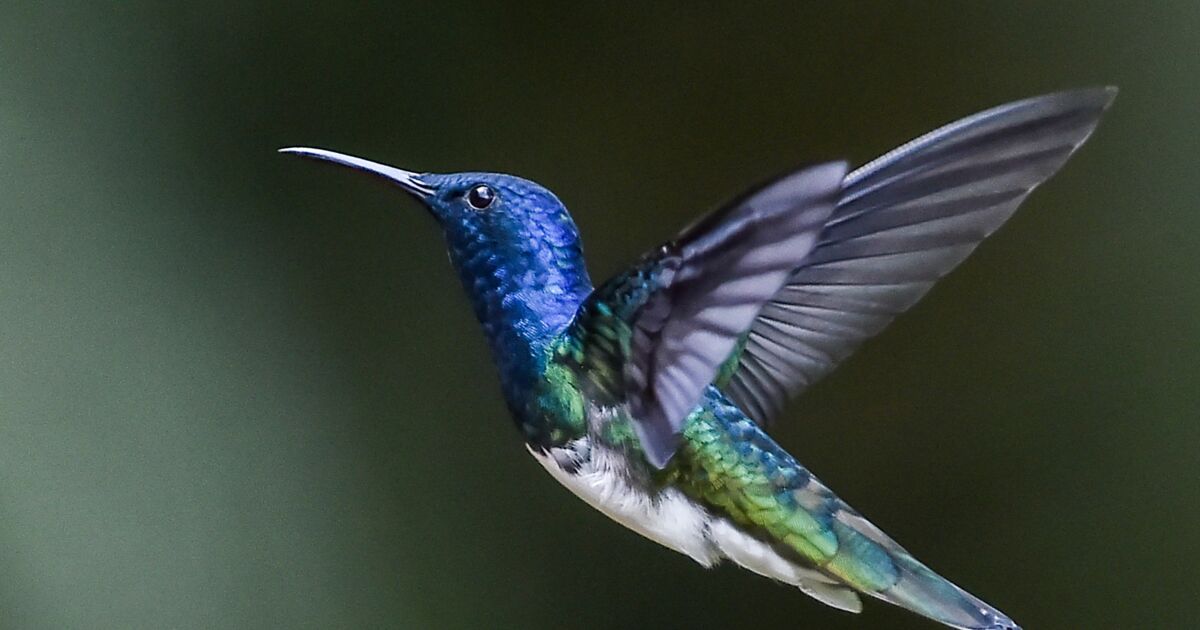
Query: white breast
<point x="670" y="518"/>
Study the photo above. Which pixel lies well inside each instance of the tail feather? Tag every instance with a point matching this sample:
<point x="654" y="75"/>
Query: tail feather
<point x="872" y="562"/>
<point x="928" y="594"/>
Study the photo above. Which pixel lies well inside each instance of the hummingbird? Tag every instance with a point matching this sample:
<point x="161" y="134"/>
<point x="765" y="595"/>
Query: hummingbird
<point x="648" y="395"/>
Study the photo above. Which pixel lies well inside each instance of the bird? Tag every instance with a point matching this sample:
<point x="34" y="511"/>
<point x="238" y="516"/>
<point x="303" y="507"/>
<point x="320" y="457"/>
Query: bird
<point x="649" y="395"/>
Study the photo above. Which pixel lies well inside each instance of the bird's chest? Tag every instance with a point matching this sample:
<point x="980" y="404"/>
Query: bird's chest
<point x="601" y="477"/>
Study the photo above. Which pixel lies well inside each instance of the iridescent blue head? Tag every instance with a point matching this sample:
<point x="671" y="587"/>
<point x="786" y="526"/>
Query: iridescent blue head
<point x="515" y="248"/>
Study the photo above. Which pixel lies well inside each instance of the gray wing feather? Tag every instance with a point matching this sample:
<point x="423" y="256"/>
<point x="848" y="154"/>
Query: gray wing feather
<point x="714" y="279"/>
<point x="904" y="221"/>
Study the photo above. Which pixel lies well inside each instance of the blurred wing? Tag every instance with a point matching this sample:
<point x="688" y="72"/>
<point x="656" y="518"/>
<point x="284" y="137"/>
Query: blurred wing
<point x="904" y="221"/>
<point x="655" y="336"/>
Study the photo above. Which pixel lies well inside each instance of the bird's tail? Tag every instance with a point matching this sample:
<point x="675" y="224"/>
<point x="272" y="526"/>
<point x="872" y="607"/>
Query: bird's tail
<point x="762" y="492"/>
<point x="874" y="564"/>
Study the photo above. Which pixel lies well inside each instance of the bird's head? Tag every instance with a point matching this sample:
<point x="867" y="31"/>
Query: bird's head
<point x="503" y="212"/>
<point x="514" y="245"/>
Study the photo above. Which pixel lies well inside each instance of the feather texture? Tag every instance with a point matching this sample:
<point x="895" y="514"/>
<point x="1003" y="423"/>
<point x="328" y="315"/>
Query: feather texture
<point x="672" y="321"/>
<point x="904" y="221"/>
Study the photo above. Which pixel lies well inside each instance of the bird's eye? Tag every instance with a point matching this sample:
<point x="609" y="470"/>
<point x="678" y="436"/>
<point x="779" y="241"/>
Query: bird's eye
<point x="481" y="197"/>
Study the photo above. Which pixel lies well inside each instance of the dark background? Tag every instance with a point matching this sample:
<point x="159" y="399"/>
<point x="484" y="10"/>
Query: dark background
<point x="241" y="390"/>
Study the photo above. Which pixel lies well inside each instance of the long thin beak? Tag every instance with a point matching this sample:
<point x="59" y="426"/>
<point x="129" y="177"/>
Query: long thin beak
<point x="407" y="180"/>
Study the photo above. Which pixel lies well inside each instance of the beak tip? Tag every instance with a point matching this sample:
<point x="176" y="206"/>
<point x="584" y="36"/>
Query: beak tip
<point x="301" y="151"/>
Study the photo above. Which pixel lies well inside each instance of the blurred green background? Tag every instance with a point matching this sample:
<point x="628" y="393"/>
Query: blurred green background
<point x="241" y="390"/>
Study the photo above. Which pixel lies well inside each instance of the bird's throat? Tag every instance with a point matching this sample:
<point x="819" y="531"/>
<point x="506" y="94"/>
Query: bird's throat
<point x="524" y="298"/>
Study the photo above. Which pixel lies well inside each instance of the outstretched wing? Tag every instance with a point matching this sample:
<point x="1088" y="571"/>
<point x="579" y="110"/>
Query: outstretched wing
<point x="655" y="336"/>
<point x="904" y="221"/>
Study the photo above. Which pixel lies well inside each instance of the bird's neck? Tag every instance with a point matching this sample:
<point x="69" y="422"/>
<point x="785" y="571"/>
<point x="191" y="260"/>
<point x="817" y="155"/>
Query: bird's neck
<point x="524" y="298"/>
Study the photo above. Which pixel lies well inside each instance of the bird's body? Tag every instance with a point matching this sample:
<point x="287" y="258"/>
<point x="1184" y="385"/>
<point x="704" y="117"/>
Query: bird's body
<point x="730" y="492"/>
<point x="646" y="396"/>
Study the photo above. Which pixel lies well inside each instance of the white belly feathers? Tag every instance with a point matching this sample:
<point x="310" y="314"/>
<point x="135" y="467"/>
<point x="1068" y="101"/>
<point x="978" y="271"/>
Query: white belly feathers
<point x="673" y="520"/>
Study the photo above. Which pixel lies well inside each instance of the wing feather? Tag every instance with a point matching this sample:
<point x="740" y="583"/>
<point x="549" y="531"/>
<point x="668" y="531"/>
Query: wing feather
<point x="669" y="324"/>
<point x="904" y="221"/>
